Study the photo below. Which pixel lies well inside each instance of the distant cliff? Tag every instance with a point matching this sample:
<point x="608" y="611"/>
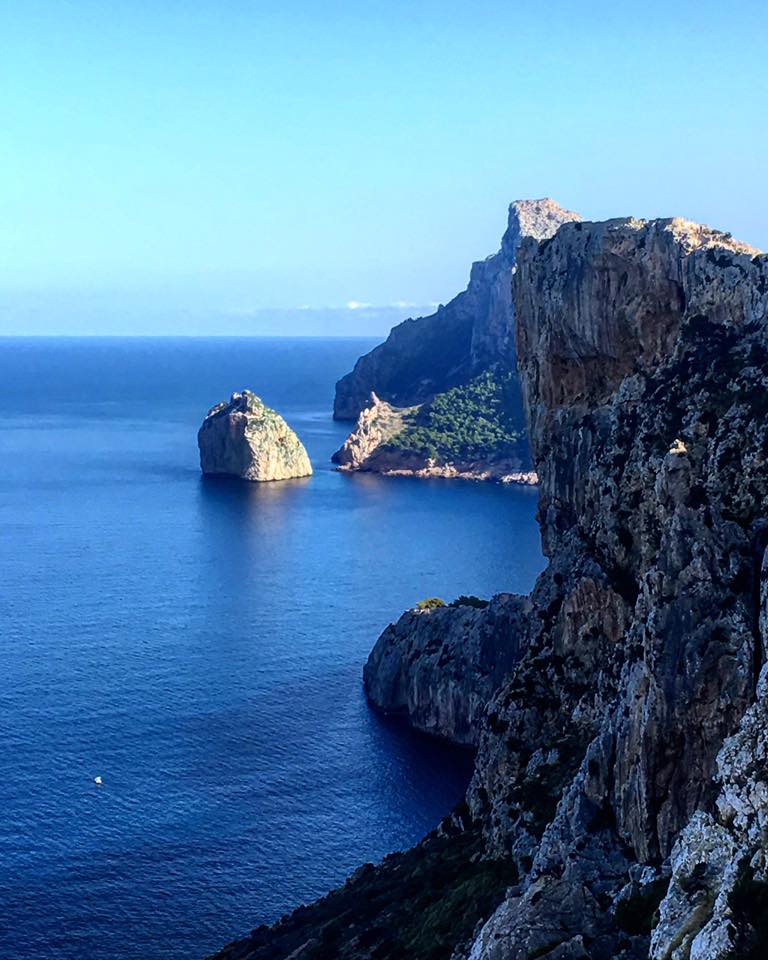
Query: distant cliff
<point x="475" y="331"/>
<point x="621" y="780"/>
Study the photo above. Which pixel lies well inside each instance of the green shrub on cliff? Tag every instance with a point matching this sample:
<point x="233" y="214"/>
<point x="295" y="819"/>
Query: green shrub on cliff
<point x="431" y="603"/>
<point x="478" y="421"/>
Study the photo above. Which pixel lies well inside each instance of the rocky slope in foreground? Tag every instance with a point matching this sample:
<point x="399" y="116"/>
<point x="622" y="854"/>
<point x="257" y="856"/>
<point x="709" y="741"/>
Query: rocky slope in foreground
<point x="245" y="438"/>
<point x="622" y="772"/>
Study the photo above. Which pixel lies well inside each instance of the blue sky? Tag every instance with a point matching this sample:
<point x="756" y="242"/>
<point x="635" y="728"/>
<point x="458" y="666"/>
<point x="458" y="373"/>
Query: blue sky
<point x="183" y="167"/>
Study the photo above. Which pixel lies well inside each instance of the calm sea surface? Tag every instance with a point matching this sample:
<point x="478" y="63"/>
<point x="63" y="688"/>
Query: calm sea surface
<point x="199" y="646"/>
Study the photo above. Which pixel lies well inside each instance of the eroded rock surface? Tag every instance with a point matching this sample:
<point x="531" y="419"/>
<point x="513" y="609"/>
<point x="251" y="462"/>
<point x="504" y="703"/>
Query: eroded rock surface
<point x="644" y="363"/>
<point x="366" y="447"/>
<point x="439" y="668"/>
<point x="429" y="355"/>
<point x="243" y="437"/>
<point x="623" y="765"/>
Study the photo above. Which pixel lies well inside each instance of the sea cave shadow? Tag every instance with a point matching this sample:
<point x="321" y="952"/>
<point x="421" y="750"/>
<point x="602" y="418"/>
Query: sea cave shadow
<point x="423" y="760"/>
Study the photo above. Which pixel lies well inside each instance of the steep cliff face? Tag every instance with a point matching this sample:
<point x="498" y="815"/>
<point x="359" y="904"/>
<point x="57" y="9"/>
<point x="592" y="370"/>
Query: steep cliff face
<point x="425" y="356"/>
<point x="644" y="363"/>
<point x="439" y="668"/>
<point x="245" y="438"/>
<point x="622" y="766"/>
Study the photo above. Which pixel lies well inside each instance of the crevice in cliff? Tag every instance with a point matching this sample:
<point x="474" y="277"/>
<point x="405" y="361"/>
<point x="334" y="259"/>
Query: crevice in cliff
<point x="759" y="546"/>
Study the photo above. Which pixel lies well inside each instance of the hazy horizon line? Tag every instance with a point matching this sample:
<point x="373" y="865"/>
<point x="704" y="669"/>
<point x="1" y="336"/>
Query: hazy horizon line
<point x="192" y="336"/>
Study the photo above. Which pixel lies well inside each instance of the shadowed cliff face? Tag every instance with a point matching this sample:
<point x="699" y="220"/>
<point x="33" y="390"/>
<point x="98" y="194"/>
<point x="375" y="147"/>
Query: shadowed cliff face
<point x="623" y="764"/>
<point x="644" y="364"/>
<point x="439" y="668"/>
<point x="429" y="355"/>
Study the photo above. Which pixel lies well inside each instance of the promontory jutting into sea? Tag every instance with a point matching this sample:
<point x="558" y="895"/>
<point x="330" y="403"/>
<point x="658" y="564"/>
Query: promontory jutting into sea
<point x="567" y="756"/>
<point x="383" y="559"/>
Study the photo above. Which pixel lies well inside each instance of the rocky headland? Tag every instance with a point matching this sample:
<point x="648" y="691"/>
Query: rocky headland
<point x="440" y="667"/>
<point x="429" y="365"/>
<point x="243" y="437"/>
<point x="380" y="443"/>
<point x="619" y="805"/>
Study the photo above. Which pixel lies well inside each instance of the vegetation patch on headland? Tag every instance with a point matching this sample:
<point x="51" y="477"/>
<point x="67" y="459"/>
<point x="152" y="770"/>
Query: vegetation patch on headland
<point x="477" y="421"/>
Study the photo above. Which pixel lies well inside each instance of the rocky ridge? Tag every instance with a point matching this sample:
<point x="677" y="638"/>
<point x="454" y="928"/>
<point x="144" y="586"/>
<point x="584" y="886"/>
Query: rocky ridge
<point x="622" y="770"/>
<point x="428" y="355"/>
<point x="377" y="424"/>
<point x="245" y="438"/>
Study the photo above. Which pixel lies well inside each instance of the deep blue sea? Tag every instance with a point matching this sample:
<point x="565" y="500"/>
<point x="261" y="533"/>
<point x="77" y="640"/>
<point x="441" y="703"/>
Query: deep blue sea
<point x="199" y="645"/>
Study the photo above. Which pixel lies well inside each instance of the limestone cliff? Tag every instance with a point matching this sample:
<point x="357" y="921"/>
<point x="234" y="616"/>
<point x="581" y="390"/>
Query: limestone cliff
<point x="622" y="767"/>
<point x="245" y="438"/>
<point x="440" y="667"/>
<point x="368" y="444"/>
<point x="644" y="363"/>
<point x="428" y="355"/>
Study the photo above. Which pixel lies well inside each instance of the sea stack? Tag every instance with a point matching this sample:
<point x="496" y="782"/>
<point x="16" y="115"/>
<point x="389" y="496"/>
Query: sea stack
<point x="243" y="437"/>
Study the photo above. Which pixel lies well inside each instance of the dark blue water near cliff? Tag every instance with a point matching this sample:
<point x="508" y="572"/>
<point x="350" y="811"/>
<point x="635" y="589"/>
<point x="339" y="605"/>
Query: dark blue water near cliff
<point x="199" y="646"/>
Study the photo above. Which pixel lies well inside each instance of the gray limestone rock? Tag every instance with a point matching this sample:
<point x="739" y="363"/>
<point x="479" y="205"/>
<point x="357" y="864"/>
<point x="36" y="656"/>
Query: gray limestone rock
<point x="439" y="668"/>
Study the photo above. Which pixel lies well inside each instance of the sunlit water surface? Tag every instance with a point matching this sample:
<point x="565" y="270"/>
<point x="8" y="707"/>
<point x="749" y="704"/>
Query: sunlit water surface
<point x="199" y="646"/>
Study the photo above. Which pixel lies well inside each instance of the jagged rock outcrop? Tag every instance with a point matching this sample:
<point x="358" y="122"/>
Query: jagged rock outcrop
<point x="243" y="437"/>
<point x="439" y="668"/>
<point x="717" y="904"/>
<point x="623" y="765"/>
<point x="428" y="355"/>
<point x="377" y="424"/>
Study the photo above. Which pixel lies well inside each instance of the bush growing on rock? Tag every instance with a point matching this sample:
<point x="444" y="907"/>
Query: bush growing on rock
<point x="431" y="603"/>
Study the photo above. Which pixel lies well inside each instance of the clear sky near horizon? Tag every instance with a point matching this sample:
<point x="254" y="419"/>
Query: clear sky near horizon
<point x="191" y="166"/>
